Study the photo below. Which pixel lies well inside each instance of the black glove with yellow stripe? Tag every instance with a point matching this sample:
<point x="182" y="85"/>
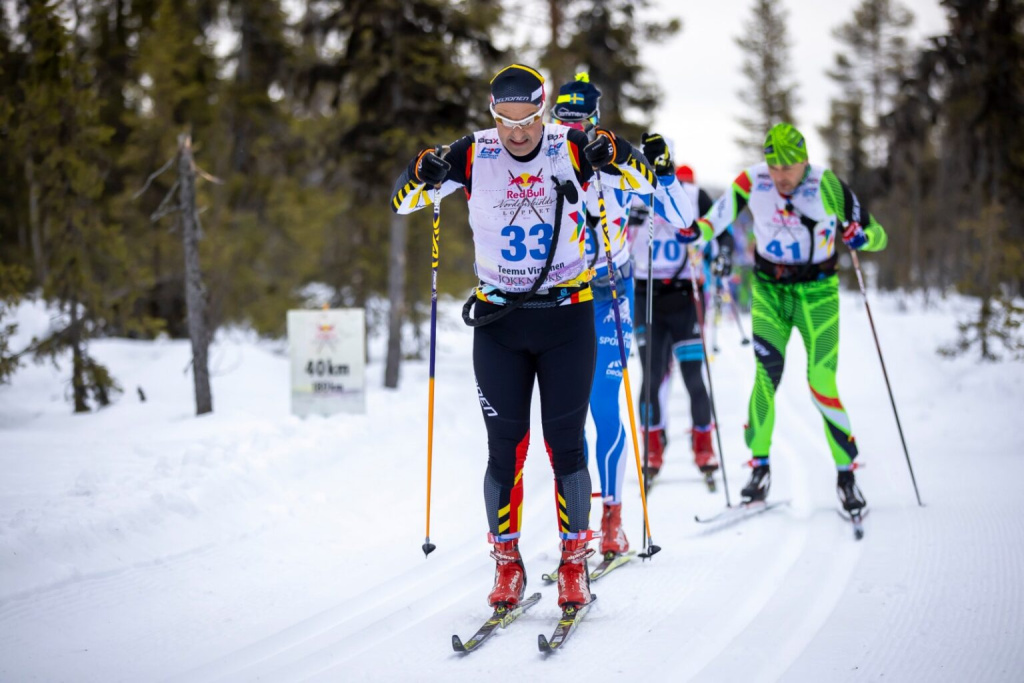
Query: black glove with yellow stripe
<point x="602" y="150"/>
<point x="658" y="156"/>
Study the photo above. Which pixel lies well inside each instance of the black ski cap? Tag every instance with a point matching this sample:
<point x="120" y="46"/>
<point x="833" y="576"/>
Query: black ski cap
<point x="518" y="83"/>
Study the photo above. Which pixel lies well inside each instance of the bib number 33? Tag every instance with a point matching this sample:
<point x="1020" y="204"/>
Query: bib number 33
<point x="536" y="242"/>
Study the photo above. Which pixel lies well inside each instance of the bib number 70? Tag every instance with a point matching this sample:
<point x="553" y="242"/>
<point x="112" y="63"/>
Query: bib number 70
<point x="536" y="242"/>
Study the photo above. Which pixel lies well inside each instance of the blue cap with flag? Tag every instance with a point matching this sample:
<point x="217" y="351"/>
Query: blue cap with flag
<point x="577" y="100"/>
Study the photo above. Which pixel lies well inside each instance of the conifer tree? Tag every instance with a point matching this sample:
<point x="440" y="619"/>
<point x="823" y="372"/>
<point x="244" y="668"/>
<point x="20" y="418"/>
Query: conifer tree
<point x="605" y="37"/>
<point x="769" y="94"/>
<point x="983" y="166"/>
<point x="58" y="134"/>
<point x="409" y="75"/>
<point x="873" y="62"/>
<point x="12" y="282"/>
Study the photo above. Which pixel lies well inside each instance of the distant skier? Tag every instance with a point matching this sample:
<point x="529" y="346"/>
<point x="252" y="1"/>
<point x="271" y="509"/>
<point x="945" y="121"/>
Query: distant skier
<point x="676" y="332"/>
<point x="577" y="106"/>
<point x="798" y="210"/>
<point x="525" y="185"/>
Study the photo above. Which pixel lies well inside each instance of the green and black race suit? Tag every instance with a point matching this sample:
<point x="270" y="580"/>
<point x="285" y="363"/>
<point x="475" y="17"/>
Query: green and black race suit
<point x="796" y="286"/>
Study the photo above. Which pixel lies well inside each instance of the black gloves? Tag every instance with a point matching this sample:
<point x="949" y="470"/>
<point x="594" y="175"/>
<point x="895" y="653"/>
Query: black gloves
<point x="431" y="168"/>
<point x="603" y="150"/>
<point x="722" y="265"/>
<point x="656" y="150"/>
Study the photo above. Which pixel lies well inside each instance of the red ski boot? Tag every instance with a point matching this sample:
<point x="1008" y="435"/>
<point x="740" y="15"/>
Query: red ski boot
<point x="613" y="538"/>
<point x="573" y="574"/>
<point x="509" y="575"/>
<point x="656" y="451"/>
<point x="703" y="451"/>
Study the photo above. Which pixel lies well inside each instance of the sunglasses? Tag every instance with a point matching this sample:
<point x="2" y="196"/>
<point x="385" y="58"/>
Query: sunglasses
<point x="514" y="123"/>
<point x="585" y="124"/>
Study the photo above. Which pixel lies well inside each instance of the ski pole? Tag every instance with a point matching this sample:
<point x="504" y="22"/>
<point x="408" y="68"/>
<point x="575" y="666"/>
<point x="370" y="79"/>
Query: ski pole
<point x="435" y="253"/>
<point x="867" y="307"/>
<point x="651" y="548"/>
<point x="727" y="298"/>
<point x="716" y="318"/>
<point x="711" y="386"/>
<point x="649" y="333"/>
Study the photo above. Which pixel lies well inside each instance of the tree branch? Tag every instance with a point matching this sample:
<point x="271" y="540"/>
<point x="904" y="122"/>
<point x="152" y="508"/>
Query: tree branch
<point x="154" y="176"/>
<point x="162" y="210"/>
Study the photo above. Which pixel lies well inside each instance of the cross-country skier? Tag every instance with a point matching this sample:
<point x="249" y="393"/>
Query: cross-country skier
<point x="525" y="183"/>
<point x="798" y="210"/>
<point x="577" y="106"/>
<point x="676" y="332"/>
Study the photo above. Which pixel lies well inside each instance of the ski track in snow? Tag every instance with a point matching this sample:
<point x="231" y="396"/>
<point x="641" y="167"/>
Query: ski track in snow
<point x="243" y="548"/>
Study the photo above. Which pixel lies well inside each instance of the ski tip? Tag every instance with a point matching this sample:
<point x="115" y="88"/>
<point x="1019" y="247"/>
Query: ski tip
<point x="428" y="548"/>
<point x="543" y="645"/>
<point x="457" y="644"/>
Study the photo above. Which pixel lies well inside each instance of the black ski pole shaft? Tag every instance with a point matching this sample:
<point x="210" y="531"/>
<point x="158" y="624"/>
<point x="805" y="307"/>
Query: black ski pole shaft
<point x="885" y="374"/>
<point x="735" y="313"/>
<point x="707" y="365"/>
<point x="717" y="298"/>
<point x="648" y="333"/>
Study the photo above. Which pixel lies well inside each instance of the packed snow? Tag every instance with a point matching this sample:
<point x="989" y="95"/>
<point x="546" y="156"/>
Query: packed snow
<point x="142" y="543"/>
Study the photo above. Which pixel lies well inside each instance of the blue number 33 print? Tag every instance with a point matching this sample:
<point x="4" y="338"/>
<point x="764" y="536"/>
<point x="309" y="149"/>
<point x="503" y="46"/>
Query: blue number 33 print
<point x="540" y="241"/>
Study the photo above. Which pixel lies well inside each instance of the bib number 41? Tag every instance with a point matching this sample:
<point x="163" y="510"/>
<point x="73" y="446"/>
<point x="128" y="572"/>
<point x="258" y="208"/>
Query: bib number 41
<point x="775" y="249"/>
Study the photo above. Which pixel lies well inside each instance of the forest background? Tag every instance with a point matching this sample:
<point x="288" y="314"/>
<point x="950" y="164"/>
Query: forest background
<point x="177" y="166"/>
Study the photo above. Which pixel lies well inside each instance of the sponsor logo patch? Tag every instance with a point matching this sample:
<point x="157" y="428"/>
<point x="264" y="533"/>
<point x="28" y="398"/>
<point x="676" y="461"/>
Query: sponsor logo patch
<point x="554" y="149"/>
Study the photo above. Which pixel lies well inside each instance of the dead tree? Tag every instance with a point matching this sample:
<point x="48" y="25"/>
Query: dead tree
<point x="181" y="200"/>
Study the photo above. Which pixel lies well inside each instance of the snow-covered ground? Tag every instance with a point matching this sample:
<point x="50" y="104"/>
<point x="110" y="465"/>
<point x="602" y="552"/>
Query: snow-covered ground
<point x="142" y="543"/>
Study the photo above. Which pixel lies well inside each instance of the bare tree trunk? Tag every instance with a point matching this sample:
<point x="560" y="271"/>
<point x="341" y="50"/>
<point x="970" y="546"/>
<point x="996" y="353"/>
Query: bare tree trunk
<point x="914" y="177"/>
<point x="559" y="67"/>
<point x="77" y="360"/>
<point x="195" y="292"/>
<point x="396" y="297"/>
<point x="34" y="221"/>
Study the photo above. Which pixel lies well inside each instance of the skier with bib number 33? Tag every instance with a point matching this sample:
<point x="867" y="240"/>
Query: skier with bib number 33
<point x="525" y="184"/>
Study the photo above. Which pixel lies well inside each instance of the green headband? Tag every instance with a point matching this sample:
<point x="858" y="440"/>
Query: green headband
<point x="784" y="146"/>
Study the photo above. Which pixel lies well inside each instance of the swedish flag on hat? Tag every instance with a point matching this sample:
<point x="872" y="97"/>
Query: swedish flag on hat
<point x="518" y="83"/>
<point x="577" y="100"/>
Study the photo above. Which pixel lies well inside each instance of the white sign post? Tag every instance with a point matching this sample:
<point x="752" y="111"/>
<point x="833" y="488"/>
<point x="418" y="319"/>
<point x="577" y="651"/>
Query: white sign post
<point x="328" y="357"/>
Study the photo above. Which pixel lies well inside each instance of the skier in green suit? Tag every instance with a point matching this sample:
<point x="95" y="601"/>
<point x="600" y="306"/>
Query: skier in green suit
<point x="799" y="209"/>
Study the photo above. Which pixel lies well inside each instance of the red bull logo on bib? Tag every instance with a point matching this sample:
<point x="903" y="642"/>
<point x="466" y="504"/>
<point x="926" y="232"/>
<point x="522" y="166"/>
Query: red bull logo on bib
<point x="522" y="185"/>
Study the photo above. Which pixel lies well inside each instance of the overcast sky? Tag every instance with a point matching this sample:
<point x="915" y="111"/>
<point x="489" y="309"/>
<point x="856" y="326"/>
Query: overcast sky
<point x="699" y="74"/>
